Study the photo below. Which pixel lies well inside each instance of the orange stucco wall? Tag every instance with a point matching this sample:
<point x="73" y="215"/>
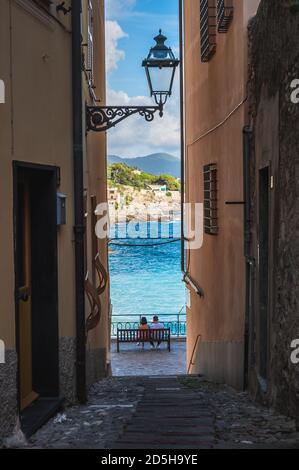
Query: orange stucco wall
<point x="215" y="97"/>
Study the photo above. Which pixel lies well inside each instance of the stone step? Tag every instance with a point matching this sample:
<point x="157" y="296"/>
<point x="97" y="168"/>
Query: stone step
<point x="176" y="431"/>
<point x="168" y="404"/>
<point x="168" y="416"/>
<point x="174" y="421"/>
<point x="172" y="414"/>
<point x="165" y="440"/>
<point x="174" y="405"/>
<point x="137" y="446"/>
<point x="168" y="398"/>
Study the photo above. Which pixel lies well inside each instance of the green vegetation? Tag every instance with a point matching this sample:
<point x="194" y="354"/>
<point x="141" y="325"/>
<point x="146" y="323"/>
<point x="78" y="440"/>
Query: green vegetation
<point x="172" y="183"/>
<point x="192" y="382"/>
<point x="129" y="199"/>
<point x="121" y="174"/>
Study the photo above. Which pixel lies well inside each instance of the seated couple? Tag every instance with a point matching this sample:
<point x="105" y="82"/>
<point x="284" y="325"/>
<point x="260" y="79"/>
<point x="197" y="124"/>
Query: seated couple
<point x="155" y="325"/>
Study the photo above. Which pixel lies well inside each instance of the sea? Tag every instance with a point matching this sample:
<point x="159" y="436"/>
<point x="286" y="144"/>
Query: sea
<point x="146" y="280"/>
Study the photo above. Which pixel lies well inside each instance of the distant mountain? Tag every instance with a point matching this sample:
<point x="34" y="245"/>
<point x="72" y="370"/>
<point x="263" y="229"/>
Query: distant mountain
<point x="156" y="164"/>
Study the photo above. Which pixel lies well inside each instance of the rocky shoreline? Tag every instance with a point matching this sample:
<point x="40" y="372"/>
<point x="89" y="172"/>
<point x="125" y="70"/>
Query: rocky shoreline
<point x="145" y="205"/>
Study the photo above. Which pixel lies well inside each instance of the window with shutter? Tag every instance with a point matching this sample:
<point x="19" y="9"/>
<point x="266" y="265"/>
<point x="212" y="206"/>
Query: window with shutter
<point x="208" y="29"/>
<point x="210" y="199"/>
<point x="225" y="14"/>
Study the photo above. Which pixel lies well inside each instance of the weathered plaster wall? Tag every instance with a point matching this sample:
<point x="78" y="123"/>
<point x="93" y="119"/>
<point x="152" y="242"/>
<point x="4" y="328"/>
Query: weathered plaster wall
<point x="215" y="97"/>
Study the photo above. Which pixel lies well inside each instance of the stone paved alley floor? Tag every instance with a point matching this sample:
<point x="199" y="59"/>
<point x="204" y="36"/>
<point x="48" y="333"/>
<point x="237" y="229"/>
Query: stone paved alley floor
<point x="133" y="361"/>
<point x="168" y="413"/>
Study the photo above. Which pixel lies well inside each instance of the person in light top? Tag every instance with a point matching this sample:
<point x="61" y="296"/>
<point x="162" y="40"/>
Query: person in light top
<point x="156" y="325"/>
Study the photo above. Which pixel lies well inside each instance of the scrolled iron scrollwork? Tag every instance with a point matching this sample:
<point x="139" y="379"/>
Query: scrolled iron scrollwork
<point x="102" y="118"/>
<point x="177" y="328"/>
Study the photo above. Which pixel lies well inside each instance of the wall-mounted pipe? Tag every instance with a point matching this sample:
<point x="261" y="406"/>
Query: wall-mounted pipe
<point x="250" y="263"/>
<point x="79" y="227"/>
<point x="182" y="119"/>
<point x="247" y="134"/>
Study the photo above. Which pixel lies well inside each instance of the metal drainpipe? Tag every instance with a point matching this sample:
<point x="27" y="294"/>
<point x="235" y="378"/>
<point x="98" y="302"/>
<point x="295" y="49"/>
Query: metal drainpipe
<point x="79" y="228"/>
<point x="181" y="27"/>
<point x="247" y="135"/>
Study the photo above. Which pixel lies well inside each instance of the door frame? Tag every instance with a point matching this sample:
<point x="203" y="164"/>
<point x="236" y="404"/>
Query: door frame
<point x="53" y="171"/>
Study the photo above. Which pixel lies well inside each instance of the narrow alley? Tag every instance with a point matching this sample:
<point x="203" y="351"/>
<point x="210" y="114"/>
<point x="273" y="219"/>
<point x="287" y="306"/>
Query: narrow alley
<point x="149" y="221"/>
<point x="173" y="412"/>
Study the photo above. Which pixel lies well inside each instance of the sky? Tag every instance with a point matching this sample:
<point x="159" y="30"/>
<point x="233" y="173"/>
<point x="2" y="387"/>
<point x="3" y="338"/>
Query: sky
<point x="131" y="26"/>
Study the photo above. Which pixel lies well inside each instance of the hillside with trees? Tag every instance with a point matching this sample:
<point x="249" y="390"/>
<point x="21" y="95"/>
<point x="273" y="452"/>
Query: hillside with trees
<point x="120" y="174"/>
<point x="155" y="164"/>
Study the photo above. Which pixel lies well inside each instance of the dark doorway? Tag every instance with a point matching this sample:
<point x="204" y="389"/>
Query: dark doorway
<point x="263" y="321"/>
<point x="35" y="224"/>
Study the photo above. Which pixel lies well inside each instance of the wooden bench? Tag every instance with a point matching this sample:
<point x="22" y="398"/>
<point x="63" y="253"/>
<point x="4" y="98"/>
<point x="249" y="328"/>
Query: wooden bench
<point x="143" y="336"/>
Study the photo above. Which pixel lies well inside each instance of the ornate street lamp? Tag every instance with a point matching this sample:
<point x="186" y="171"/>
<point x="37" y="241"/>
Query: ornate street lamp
<point x="160" y="67"/>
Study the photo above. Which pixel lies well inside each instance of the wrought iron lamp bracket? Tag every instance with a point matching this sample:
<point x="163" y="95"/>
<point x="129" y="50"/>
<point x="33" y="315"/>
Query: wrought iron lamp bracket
<point x="102" y="118"/>
<point x="61" y="7"/>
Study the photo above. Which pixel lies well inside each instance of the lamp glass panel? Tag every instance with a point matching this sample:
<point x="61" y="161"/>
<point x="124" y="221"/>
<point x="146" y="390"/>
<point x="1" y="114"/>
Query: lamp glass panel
<point x="161" y="78"/>
<point x="161" y="54"/>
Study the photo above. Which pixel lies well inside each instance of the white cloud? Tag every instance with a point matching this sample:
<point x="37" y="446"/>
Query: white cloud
<point x="119" y="8"/>
<point x="135" y="137"/>
<point x="113" y="54"/>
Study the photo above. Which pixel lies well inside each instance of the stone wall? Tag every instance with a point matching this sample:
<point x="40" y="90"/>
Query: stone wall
<point x="96" y="367"/>
<point x="67" y="369"/>
<point x="8" y="394"/>
<point x="274" y="64"/>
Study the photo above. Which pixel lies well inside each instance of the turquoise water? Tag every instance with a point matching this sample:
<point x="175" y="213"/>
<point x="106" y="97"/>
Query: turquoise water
<point x="147" y="280"/>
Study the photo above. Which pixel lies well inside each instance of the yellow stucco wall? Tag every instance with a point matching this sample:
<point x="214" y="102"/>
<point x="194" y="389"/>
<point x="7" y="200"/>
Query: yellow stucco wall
<point x="36" y="127"/>
<point x="96" y="165"/>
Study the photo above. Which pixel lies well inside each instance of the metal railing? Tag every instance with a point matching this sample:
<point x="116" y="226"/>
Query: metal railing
<point x="191" y="363"/>
<point x="176" y="323"/>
